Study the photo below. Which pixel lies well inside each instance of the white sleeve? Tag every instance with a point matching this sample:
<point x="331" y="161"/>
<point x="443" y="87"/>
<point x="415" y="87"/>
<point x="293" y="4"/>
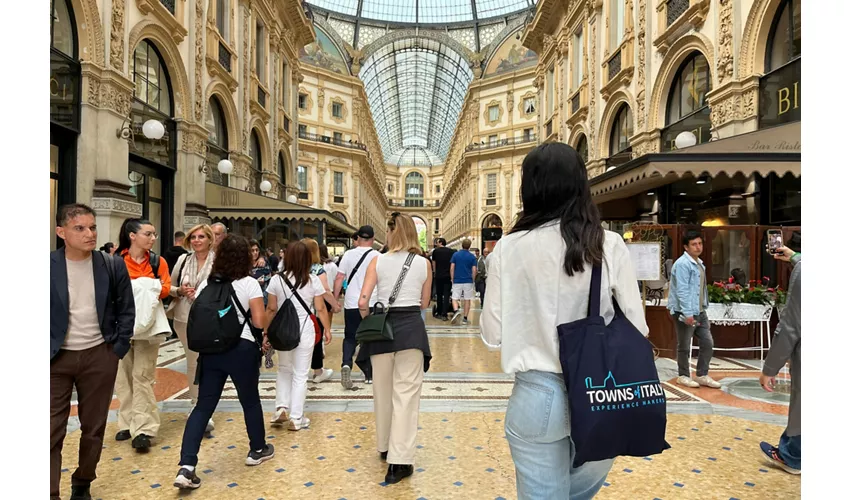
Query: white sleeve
<point x="624" y="285"/>
<point x="318" y="288"/>
<point x="275" y="287"/>
<point x="254" y="290"/>
<point x="491" y="316"/>
<point x="344" y="265"/>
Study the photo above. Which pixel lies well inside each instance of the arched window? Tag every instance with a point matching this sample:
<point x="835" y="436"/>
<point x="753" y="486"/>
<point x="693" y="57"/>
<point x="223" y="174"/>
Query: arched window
<point x="62" y="34"/>
<point x="281" y="168"/>
<point x="687" y="104"/>
<point x="151" y="78"/>
<point x="414" y="190"/>
<point x="256" y="161"/>
<point x="217" y="141"/>
<point x="619" y="147"/>
<point x="581" y="147"/>
<point x="340" y="216"/>
<point x="784" y="40"/>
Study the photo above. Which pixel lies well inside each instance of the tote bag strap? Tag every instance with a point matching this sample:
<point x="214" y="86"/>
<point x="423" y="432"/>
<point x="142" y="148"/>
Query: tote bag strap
<point x="595" y="292"/>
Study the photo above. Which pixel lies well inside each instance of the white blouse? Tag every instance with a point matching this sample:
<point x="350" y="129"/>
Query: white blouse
<point x="529" y="295"/>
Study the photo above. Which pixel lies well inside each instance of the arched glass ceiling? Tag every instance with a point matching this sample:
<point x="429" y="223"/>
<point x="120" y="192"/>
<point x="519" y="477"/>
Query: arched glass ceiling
<point x="424" y="11"/>
<point x="415" y="89"/>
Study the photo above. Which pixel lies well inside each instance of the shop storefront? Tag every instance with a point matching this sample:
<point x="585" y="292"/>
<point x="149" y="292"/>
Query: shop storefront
<point x="64" y="109"/>
<point x="275" y="223"/>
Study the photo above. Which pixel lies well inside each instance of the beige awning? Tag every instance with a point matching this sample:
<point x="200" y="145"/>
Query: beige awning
<point x="775" y="150"/>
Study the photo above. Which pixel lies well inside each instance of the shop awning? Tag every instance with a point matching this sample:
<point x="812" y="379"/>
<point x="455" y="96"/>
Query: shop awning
<point x="225" y="202"/>
<point x="775" y="150"/>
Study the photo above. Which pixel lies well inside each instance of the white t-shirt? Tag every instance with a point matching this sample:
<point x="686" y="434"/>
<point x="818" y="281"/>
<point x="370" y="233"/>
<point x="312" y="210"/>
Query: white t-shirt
<point x="246" y="289"/>
<point x="389" y="268"/>
<point x="307" y="293"/>
<point x="355" y="283"/>
<point x="332" y="270"/>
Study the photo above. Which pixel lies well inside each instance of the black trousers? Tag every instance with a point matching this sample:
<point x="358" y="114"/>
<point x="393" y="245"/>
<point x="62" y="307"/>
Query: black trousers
<point x="481" y="286"/>
<point x="444" y="294"/>
<point x="349" y="345"/>
<point x="242" y="364"/>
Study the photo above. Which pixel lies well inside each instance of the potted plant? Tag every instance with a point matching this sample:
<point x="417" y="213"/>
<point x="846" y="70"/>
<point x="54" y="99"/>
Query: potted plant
<point x="733" y="301"/>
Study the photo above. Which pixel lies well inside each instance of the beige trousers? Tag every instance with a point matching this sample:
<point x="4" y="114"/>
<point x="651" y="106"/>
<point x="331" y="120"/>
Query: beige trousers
<point x="397" y="387"/>
<point x="138" y="411"/>
<point x="191" y="360"/>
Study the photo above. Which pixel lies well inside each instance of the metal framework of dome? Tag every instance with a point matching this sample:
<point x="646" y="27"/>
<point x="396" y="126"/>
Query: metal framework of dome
<point x="415" y="89"/>
<point x="421" y="12"/>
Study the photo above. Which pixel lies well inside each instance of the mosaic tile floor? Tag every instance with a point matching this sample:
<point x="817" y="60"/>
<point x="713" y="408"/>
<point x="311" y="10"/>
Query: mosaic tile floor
<point x="460" y="455"/>
<point x="462" y="451"/>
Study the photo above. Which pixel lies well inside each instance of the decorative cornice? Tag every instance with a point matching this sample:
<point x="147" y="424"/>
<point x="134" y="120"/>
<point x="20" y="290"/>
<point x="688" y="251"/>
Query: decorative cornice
<point x="107" y="89"/>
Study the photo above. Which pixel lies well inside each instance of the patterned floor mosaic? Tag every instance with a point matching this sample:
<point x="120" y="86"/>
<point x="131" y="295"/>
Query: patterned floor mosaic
<point x="460" y="455"/>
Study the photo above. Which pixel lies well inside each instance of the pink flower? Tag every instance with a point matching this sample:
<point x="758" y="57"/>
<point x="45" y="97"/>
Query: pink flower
<point x="731" y="279"/>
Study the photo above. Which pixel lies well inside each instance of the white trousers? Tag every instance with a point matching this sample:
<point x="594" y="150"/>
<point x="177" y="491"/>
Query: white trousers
<point x="292" y="370"/>
<point x="397" y="387"/>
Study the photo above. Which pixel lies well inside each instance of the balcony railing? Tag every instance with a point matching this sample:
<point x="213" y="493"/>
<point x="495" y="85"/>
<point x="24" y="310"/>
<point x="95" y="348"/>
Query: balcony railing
<point x="615" y="64"/>
<point x="307" y="11"/>
<point x="512" y="141"/>
<point x="675" y="9"/>
<point x="170" y="5"/>
<point x="224" y="56"/>
<point x="414" y="203"/>
<point x="330" y="140"/>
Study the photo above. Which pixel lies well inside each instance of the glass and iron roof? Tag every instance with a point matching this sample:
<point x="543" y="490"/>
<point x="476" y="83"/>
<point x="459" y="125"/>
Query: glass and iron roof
<point x="424" y="11"/>
<point x="415" y="89"/>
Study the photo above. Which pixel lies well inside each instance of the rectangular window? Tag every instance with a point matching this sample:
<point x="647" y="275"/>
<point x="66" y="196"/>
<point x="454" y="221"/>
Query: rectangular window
<point x="616" y="26"/>
<point x="493" y="139"/>
<point x="260" y="53"/>
<point x="436" y="225"/>
<point x="491" y="185"/>
<point x="550" y="91"/>
<point x="338" y="177"/>
<point x="284" y="89"/>
<point x="526" y="134"/>
<point x="337" y="137"/>
<point x="302" y="178"/>
<point x="222" y="16"/>
<point x="578" y="59"/>
<point x="302" y="130"/>
<point x="493" y="113"/>
<point x="302" y="101"/>
<point x="528" y="105"/>
<point x="336" y="109"/>
<point x="438" y="188"/>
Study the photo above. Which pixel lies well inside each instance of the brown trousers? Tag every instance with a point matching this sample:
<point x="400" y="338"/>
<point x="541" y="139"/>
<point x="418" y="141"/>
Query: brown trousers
<point x="397" y="389"/>
<point x="93" y="373"/>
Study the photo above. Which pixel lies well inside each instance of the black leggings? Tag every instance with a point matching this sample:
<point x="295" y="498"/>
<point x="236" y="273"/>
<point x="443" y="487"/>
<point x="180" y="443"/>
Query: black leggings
<point x="318" y="350"/>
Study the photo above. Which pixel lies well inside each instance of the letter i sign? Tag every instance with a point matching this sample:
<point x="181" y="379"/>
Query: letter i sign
<point x="637" y="392"/>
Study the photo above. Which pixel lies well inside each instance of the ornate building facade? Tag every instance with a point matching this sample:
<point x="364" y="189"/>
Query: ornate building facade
<point x="218" y="76"/>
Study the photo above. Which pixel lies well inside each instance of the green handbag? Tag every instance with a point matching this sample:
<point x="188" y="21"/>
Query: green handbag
<point x="375" y="327"/>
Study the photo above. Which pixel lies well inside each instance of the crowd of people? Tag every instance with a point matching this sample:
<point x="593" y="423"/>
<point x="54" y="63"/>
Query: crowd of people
<point x="111" y="310"/>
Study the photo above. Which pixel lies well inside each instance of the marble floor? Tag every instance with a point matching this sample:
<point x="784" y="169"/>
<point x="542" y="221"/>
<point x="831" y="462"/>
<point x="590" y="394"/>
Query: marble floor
<point x="462" y="452"/>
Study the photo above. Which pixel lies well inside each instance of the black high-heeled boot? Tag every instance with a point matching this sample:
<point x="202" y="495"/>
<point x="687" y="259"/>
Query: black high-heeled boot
<point x="396" y="472"/>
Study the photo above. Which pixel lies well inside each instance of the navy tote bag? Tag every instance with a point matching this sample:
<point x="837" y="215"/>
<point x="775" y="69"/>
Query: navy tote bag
<point x="617" y="403"/>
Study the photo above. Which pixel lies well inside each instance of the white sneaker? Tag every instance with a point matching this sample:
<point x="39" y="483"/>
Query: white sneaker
<point x="456" y="315"/>
<point x="326" y="374"/>
<point x="708" y="382"/>
<point x="687" y="382"/>
<point x="280" y="416"/>
<point x="210" y="426"/>
<point x="345" y="377"/>
<point x="297" y="425"/>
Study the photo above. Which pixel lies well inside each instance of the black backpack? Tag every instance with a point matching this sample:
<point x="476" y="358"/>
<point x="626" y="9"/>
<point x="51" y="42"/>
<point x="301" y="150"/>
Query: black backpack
<point x="214" y="326"/>
<point x="285" y="329"/>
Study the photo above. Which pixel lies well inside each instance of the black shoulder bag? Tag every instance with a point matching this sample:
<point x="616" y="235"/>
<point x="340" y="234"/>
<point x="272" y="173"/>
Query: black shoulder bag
<point x="356" y="268"/>
<point x="375" y="327"/>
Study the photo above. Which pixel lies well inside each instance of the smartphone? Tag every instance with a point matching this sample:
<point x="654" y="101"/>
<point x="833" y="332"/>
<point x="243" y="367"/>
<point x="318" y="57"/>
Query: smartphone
<point x="774" y="240"/>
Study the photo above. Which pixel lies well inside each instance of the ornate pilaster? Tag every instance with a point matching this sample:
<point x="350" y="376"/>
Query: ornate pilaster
<point x="199" y="60"/>
<point x="321" y="187"/>
<point x="116" y="36"/>
<point x="640" y="115"/>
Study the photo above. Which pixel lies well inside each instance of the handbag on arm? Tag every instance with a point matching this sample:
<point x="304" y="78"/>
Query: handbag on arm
<point x="375" y="327"/>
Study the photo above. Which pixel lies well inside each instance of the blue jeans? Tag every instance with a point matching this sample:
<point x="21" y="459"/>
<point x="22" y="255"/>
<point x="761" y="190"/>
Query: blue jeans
<point x="242" y="364"/>
<point x="790" y="449"/>
<point x="538" y="429"/>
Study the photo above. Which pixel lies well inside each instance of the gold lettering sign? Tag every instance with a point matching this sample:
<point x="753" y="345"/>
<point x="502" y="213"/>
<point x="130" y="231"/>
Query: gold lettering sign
<point x="229" y="198"/>
<point x="784" y="95"/>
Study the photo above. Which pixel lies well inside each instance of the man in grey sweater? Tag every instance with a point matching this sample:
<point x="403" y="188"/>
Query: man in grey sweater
<point x="786" y="346"/>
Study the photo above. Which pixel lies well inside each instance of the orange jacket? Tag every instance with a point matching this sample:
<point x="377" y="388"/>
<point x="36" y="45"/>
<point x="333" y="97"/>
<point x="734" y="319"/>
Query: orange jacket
<point x="144" y="270"/>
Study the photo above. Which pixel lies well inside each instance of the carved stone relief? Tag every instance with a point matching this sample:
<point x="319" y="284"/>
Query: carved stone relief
<point x="199" y="60"/>
<point x="726" y="58"/>
<point x="116" y="37"/>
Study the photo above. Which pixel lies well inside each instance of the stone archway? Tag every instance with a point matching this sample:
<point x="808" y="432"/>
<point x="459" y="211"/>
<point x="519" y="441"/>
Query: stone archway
<point x="161" y="38"/>
<point x="404" y="34"/>
<point x="604" y="138"/>
<point x="754" y="37"/>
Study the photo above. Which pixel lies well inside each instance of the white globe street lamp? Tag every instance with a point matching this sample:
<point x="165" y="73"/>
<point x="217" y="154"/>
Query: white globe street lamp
<point x="225" y="167"/>
<point x="292" y="198"/>
<point x="153" y="129"/>
<point x="265" y="186"/>
<point x="685" y="139"/>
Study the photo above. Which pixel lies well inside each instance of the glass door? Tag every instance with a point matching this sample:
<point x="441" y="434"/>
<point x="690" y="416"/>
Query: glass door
<point x="146" y="186"/>
<point x="54" y="193"/>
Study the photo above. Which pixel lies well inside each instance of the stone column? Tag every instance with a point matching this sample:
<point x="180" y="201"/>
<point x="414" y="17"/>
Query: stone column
<point x="102" y="153"/>
<point x="320" y="188"/>
<point x="190" y="206"/>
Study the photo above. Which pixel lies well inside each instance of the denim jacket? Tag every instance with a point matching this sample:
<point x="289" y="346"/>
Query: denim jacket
<point x="684" y="287"/>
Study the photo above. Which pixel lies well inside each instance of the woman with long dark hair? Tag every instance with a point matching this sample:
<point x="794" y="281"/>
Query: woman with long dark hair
<point x="294" y="366"/>
<point x="241" y="363"/>
<point x="536" y="280"/>
<point x="138" y="414"/>
<point x="260" y="269"/>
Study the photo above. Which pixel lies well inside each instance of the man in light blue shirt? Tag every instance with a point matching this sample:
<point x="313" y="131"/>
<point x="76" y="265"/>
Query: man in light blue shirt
<point x="464" y="267"/>
<point x="687" y="303"/>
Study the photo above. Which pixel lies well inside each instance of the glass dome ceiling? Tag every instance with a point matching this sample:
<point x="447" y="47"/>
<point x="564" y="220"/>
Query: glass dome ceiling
<point x="424" y="11"/>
